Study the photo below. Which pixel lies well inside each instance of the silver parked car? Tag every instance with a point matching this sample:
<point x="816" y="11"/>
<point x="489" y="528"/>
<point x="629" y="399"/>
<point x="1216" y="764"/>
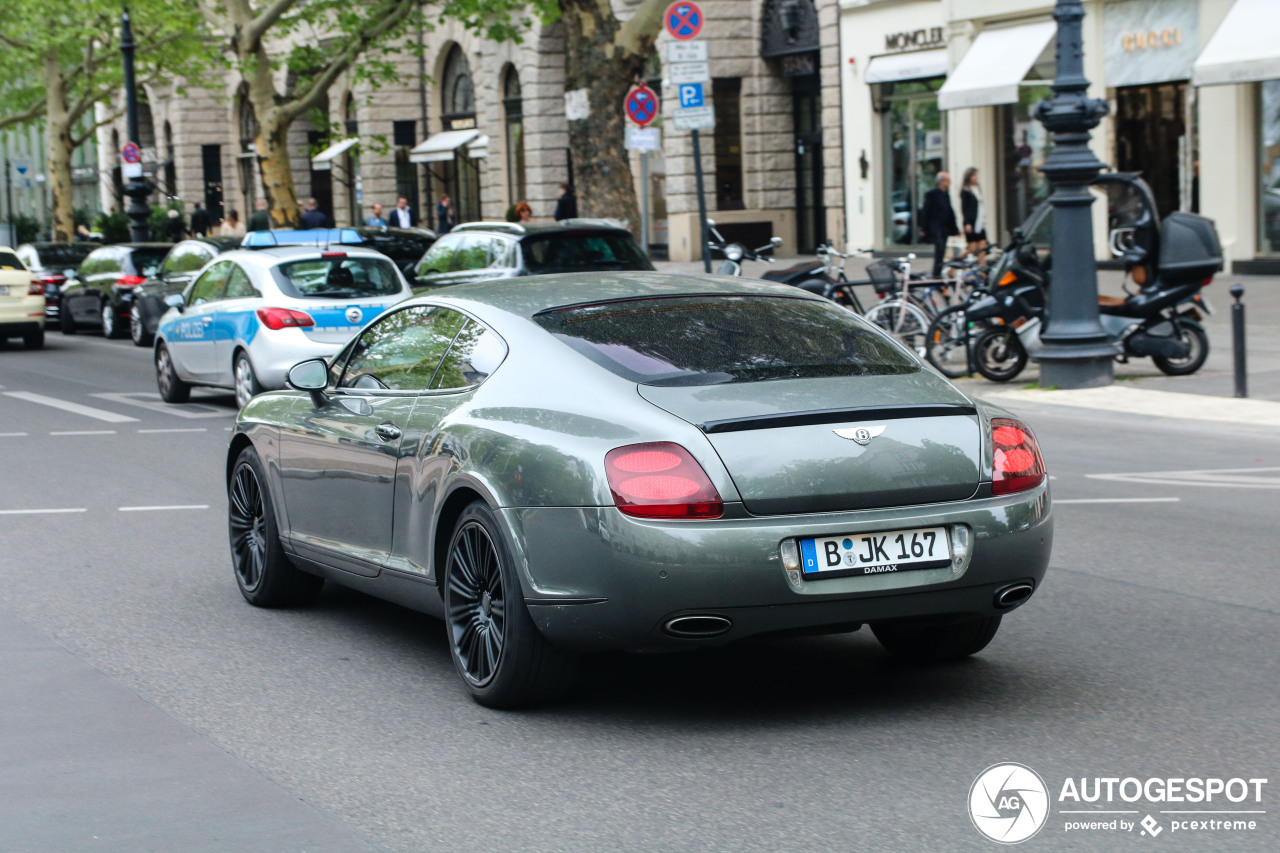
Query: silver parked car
<point x="642" y="462"/>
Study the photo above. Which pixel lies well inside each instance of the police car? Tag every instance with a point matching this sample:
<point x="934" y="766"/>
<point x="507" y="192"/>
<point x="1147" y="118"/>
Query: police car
<point x="250" y="315"/>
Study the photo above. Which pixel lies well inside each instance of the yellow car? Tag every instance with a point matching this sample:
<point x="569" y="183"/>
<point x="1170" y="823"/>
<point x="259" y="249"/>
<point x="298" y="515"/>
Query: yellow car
<point x="21" y="301"/>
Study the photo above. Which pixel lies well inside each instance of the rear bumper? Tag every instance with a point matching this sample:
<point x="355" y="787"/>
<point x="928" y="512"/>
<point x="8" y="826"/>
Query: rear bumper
<point x="273" y="352"/>
<point x="13" y="330"/>
<point x="20" y="316"/>
<point x="598" y="580"/>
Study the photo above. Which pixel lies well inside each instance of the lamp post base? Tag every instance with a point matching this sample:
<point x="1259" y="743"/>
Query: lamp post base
<point x="1076" y="372"/>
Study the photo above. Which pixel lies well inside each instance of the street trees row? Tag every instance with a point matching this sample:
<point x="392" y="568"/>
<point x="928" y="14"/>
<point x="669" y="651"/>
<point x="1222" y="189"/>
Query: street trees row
<point x="58" y="68"/>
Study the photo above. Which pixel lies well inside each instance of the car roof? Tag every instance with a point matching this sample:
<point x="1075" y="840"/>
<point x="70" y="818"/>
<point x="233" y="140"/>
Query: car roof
<point x="530" y="295"/>
<point x="271" y="257"/>
<point x="524" y="229"/>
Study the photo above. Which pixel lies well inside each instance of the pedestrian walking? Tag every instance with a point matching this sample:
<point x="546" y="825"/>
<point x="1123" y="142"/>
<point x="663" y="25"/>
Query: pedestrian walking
<point x="975" y="215"/>
<point x="201" y="222"/>
<point x="313" y="216"/>
<point x="232" y="226"/>
<point x="566" y="205"/>
<point x="174" y="226"/>
<point x="260" y="219"/>
<point x="938" y="220"/>
<point x="402" y="216"/>
<point x="524" y="213"/>
<point x="375" y="219"/>
<point x="444" y="214"/>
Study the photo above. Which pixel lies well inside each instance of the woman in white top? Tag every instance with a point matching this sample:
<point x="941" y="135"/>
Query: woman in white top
<point x="232" y="226"/>
<point x="975" y="215"/>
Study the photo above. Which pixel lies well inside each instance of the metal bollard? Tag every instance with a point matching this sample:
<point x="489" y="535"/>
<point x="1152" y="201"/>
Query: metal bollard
<point x="1237" y="341"/>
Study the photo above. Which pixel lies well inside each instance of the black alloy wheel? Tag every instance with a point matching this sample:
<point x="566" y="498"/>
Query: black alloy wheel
<point x="502" y="657"/>
<point x="263" y="571"/>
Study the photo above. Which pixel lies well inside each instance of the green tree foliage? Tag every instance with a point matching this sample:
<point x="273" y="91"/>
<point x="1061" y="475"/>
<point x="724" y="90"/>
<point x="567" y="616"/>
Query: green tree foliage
<point x="57" y="65"/>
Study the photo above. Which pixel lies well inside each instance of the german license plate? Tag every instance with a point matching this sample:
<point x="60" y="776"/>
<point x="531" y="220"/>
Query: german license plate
<point x="877" y="553"/>
<point x="4" y="290"/>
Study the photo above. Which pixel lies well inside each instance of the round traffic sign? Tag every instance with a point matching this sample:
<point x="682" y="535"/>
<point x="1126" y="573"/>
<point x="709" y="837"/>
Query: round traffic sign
<point x="642" y="105"/>
<point x="683" y="20"/>
<point x="130" y="154"/>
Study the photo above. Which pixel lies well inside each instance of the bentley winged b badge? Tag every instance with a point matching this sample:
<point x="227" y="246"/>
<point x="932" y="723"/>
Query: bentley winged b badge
<point x="862" y="435"/>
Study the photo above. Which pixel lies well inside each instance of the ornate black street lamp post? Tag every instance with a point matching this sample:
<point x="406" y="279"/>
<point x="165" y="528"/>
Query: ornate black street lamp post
<point x="137" y="190"/>
<point x="1078" y="352"/>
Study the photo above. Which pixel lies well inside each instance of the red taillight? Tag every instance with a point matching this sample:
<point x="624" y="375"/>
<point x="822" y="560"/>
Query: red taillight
<point x="130" y="280"/>
<point x="1018" y="465"/>
<point x="35" y="288"/>
<point x="660" y="480"/>
<point x="280" y="318"/>
<point x="1208" y="281"/>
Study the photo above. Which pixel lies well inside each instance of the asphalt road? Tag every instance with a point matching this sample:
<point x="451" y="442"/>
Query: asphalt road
<point x="145" y="706"/>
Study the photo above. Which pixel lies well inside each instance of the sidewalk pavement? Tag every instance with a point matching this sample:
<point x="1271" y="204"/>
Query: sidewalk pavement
<point x="1140" y="387"/>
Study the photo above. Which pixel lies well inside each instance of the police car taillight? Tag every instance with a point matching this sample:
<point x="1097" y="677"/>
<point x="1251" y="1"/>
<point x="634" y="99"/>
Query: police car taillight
<point x="281" y="318"/>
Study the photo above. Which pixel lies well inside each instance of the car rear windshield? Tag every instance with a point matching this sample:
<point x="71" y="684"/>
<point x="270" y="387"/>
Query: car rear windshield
<point x="9" y="261"/>
<point x="147" y="261"/>
<point x="714" y="339"/>
<point x="64" y="256"/>
<point x="576" y="251"/>
<point x="338" y="278"/>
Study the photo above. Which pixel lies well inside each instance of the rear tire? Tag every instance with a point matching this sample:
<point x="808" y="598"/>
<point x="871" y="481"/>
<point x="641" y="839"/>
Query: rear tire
<point x="263" y="572"/>
<point x="65" y="323"/>
<point x="498" y="651"/>
<point x="929" y="641"/>
<point x="110" y="322"/>
<point x="1194" y="336"/>
<point x="138" y="328"/>
<point x="247" y="385"/>
<point x="34" y="340"/>
<point x="172" y="389"/>
<point x="998" y="354"/>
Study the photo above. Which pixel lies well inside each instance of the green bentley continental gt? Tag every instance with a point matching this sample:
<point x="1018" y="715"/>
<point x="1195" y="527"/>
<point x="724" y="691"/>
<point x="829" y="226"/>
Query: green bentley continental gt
<point x="637" y="461"/>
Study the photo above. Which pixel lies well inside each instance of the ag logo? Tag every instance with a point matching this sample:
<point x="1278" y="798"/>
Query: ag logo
<point x="862" y="435"/>
<point x="1008" y="803"/>
<point x="353" y="315"/>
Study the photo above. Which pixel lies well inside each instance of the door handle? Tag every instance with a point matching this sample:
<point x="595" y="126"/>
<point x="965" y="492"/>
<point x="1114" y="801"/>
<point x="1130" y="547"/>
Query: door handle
<point x="387" y="432"/>
<point x="207" y="320"/>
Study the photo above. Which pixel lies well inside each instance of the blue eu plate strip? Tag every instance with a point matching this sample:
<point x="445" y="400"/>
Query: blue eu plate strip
<point x="808" y="555"/>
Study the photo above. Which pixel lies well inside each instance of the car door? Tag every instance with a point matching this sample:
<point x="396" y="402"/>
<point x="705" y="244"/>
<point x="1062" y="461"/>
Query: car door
<point x="191" y="338"/>
<point x="339" y="456"/>
<point x="234" y="321"/>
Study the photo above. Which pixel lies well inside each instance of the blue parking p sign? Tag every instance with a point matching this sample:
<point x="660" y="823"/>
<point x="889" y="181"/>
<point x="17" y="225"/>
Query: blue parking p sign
<point x="691" y="95"/>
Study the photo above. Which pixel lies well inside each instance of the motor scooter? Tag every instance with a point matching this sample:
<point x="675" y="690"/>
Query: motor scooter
<point x="735" y="253"/>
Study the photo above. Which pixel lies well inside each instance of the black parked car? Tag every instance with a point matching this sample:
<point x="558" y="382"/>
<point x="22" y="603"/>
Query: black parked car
<point x="176" y="271"/>
<point x="50" y="263"/>
<point x="484" y="250"/>
<point x="102" y="294"/>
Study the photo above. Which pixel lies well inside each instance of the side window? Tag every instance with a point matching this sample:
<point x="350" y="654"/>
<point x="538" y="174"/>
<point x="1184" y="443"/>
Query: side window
<point x="502" y="254"/>
<point x="111" y="261"/>
<point x="208" y="287"/>
<point x="187" y="257"/>
<point x="439" y="258"/>
<point x="402" y="351"/>
<point x="238" y="284"/>
<point x="473" y="254"/>
<point x="91" y="264"/>
<point x="476" y="352"/>
<point x="29" y="258"/>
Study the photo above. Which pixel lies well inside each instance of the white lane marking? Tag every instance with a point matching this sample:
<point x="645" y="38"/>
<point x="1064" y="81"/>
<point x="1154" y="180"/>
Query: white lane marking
<point x="74" y="408"/>
<point x="1118" y="501"/>
<point x="11" y="434"/>
<point x="152" y="402"/>
<point x="85" y="432"/>
<point x="155" y="508"/>
<point x="184" y="429"/>
<point x="39" y="511"/>
<point x="1236" y="478"/>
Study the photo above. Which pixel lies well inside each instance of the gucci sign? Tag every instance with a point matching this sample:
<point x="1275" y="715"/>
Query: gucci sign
<point x="1168" y="37"/>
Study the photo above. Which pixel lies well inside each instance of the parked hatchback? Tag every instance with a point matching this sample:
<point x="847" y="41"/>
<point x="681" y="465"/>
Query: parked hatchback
<point x="50" y="262"/>
<point x="102" y="294"/>
<point x="484" y="250"/>
<point x="176" y="271"/>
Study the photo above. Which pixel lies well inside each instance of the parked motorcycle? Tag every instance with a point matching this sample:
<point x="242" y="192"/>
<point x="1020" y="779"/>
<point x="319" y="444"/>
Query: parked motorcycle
<point x="735" y="253"/>
<point x="1169" y="262"/>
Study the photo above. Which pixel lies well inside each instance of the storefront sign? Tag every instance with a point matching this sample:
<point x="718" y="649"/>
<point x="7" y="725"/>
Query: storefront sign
<point x="910" y="40"/>
<point x="1150" y="41"/>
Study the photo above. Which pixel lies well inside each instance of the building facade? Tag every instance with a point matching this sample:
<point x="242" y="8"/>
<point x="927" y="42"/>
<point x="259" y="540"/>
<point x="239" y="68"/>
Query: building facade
<point x="25" y="191"/>
<point x="935" y="85"/>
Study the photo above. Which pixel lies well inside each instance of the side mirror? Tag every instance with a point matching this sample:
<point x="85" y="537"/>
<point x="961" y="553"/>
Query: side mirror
<point x="175" y="300"/>
<point x="776" y="242"/>
<point x="711" y="223"/>
<point x="311" y="375"/>
<point x="69" y="273"/>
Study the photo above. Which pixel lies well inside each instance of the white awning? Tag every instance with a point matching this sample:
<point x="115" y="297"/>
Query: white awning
<point x="996" y="63"/>
<point x="1244" y="49"/>
<point x="916" y="65"/>
<point x="323" y="161"/>
<point x="442" y="146"/>
<point x="479" y="148"/>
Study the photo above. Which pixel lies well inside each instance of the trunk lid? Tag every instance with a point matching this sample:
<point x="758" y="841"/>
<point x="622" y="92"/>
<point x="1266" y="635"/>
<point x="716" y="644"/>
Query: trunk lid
<point x="778" y="440"/>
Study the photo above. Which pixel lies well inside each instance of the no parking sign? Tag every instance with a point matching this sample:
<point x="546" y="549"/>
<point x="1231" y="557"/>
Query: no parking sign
<point x="683" y="20"/>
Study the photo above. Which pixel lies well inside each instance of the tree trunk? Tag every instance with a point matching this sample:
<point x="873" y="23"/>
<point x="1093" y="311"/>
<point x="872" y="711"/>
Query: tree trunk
<point x="596" y="63"/>
<point x="59" y="147"/>
<point x="277" y="171"/>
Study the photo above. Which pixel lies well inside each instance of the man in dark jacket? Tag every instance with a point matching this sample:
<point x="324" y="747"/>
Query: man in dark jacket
<point x="313" y="216"/>
<point x="260" y="219"/>
<point x="201" y="222"/>
<point x="566" y="205"/>
<point x="938" y="220"/>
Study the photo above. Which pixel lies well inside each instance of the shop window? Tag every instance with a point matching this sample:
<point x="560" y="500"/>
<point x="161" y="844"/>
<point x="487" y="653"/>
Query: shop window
<point x="404" y="134"/>
<point x="915" y="139"/>
<point x="1269" y="166"/>
<point x="513" y="113"/>
<point x="728" y="109"/>
<point x="1024" y="146"/>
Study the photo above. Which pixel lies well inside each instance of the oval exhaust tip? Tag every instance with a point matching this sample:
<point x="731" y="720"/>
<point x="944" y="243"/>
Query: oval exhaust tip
<point x="1013" y="595"/>
<point x="697" y="627"/>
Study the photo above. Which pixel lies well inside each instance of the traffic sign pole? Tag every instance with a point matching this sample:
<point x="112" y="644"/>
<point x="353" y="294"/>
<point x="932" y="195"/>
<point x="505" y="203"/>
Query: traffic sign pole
<point x="683" y="21"/>
<point x="702" y="201"/>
